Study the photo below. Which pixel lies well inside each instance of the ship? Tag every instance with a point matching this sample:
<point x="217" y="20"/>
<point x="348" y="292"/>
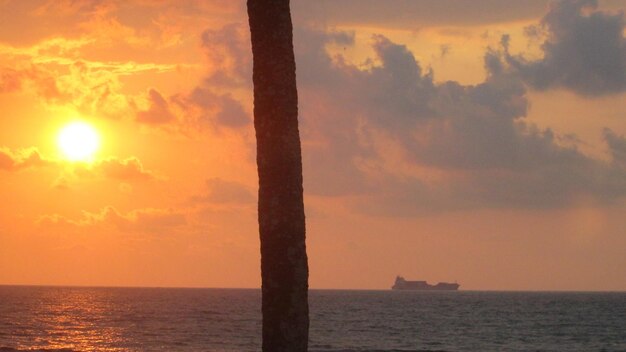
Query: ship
<point x="402" y="284"/>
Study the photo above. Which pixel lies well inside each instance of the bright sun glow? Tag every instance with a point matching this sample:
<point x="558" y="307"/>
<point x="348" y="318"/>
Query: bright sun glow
<point x="78" y="141"/>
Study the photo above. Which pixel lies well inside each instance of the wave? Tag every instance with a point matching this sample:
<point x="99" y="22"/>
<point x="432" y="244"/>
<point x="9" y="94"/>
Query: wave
<point x="367" y="350"/>
<point x="11" y="349"/>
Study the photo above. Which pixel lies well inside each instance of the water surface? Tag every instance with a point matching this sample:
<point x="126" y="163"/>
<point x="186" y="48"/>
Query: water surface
<point x="164" y="319"/>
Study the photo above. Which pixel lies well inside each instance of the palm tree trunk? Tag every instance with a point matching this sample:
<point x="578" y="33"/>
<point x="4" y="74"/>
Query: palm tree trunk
<point x="284" y="268"/>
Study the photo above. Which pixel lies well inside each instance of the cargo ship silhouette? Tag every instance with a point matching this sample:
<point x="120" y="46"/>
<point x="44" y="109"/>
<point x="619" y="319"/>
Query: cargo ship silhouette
<point x="402" y="284"/>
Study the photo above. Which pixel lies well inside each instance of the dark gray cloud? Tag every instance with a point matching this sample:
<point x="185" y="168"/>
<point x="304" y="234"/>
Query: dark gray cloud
<point x="227" y="51"/>
<point x="617" y="147"/>
<point x="473" y="135"/>
<point x="585" y="50"/>
<point x="222" y="109"/>
<point x="201" y="107"/>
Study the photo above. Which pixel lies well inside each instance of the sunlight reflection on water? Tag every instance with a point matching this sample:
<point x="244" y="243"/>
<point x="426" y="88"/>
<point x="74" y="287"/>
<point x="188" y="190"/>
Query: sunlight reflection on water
<point x="73" y="319"/>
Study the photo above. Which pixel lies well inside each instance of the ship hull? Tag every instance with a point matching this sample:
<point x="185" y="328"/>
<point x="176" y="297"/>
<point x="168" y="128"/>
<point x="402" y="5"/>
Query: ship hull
<point x="425" y="289"/>
<point x="403" y="285"/>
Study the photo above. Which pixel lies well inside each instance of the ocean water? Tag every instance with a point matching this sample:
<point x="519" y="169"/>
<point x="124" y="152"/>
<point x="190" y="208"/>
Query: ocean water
<point x="160" y="319"/>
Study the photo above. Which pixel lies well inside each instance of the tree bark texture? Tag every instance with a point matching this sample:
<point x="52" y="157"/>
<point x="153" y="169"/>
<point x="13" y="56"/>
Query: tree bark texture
<point x="284" y="267"/>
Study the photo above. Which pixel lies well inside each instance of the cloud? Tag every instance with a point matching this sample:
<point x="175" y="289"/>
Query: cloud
<point x="40" y="81"/>
<point x="149" y="221"/>
<point x="205" y="105"/>
<point x="227" y="50"/>
<point x="129" y="169"/>
<point x="10" y="80"/>
<point x="201" y="107"/>
<point x="386" y="134"/>
<point x="158" y="111"/>
<point x="55" y="70"/>
<point x="21" y="159"/>
<point x="91" y="89"/>
<point x="68" y="7"/>
<point x="211" y="102"/>
<point x="396" y="142"/>
<point x="220" y="191"/>
<point x="88" y="87"/>
<point x="617" y="147"/>
<point x="98" y="19"/>
<point x="585" y="50"/>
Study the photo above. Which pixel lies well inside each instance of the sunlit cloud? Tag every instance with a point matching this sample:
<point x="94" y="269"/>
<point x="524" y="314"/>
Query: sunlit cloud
<point x="129" y="169"/>
<point x="21" y="159"/>
<point x="71" y="7"/>
<point x="149" y="221"/>
<point x="56" y="71"/>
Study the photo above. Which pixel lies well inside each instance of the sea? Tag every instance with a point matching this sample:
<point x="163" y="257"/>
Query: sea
<point x="184" y="319"/>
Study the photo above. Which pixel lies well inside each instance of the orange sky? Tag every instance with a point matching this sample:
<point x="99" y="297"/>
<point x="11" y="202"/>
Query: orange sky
<point x="440" y="142"/>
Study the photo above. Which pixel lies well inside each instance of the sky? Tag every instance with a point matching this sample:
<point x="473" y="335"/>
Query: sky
<point x="480" y="142"/>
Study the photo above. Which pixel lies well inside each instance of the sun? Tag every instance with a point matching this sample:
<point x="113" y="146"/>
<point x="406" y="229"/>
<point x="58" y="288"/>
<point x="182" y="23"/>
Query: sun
<point x="78" y="141"/>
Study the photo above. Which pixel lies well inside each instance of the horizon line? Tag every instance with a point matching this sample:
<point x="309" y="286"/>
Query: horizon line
<point x="310" y="289"/>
